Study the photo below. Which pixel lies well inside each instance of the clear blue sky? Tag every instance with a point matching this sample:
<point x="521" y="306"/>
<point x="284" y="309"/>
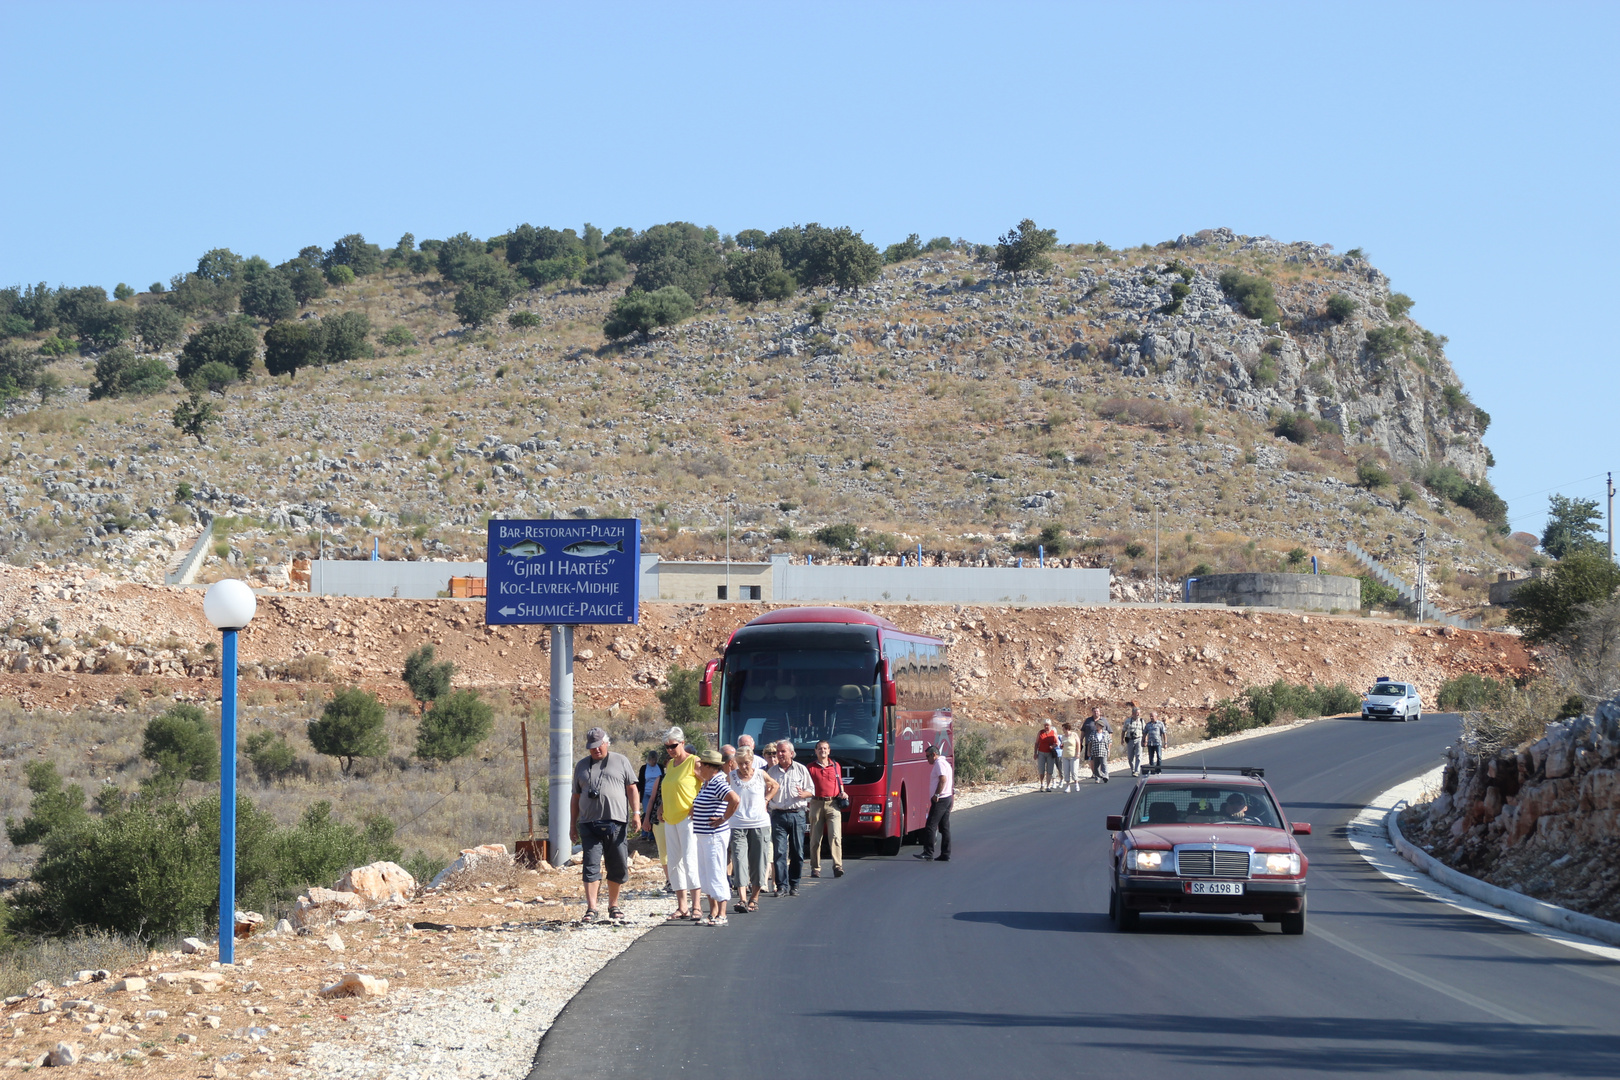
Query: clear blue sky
<point x="1469" y="148"/>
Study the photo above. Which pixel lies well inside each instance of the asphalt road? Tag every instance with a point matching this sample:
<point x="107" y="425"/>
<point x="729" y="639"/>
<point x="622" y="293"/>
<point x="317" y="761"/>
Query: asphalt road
<point x="1002" y="963"/>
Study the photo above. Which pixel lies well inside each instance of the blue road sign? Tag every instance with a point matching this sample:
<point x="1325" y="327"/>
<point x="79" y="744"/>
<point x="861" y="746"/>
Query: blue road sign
<point x="564" y="571"/>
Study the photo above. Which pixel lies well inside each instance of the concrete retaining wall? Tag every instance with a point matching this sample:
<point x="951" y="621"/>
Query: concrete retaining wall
<point x="794" y="584"/>
<point x="1303" y="592"/>
<point x="387" y="577"/>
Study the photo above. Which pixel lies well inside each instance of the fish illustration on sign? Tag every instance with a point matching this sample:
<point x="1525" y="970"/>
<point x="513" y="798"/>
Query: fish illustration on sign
<point x="590" y="549"/>
<point x="526" y="549"/>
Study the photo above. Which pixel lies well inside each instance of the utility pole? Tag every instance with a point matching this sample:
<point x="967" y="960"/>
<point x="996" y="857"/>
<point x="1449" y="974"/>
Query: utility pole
<point x="1155" y="551"/>
<point x="1422" y="579"/>
<point x="729" y="597"/>
<point x="1611" y="516"/>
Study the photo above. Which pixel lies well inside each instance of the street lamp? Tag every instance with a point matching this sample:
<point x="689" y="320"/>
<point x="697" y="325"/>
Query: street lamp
<point x="229" y="606"/>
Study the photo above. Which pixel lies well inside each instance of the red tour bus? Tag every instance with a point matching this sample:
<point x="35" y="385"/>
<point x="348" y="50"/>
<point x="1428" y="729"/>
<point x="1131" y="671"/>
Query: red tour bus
<point x="876" y="693"/>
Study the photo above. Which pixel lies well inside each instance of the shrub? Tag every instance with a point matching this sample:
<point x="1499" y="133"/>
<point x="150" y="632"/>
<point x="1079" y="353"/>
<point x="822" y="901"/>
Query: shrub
<point x="520" y="320"/>
<point x="212" y="376"/>
<point x="289" y="346"/>
<point x="1397" y="304"/>
<point x="1260" y="706"/>
<point x="343" y="337"/>
<point x="1254" y="296"/>
<point x="1227" y="718"/>
<point x="973" y="757"/>
<point x="1340" y="306"/>
<point x="1179" y="291"/>
<point x="641" y="313"/>
<point x="1469" y="692"/>
<point x="271" y="756"/>
<point x="454" y="726"/>
<point x="909" y="248"/>
<point x="159" y="326"/>
<point x="340" y="275"/>
<point x="269" y="297"/>
<point x="1296" y="427"/>
<point x="1024" y="249"/>
<point x="120" y="373"/>
<point x="399" y="336"/>
<point x="1370" y="474"/>
<point x="752" y="276"/>
<point x="1384" y="342"/>
<point x="1375" y="593"/>
<point x="842" y="537"/>
<point x="428" y="682"/>
<point x="230" y="341"/>
<point x="680" y="700"/>
<point x="1134" y="550"/>
<point x="1155" y="414"/>
<point x="182" y="744"/>
<point x="605" y="271"/>
<point x="1298" y="556"/>
<point x="1475" y="495"/>
<point x="53" y="807"/>
<point x="350" y="726"/>
<point x="1265" y="372"/>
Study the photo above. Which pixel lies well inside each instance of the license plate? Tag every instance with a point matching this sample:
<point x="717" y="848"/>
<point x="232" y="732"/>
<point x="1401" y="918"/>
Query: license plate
<point x="1215" y="888"/>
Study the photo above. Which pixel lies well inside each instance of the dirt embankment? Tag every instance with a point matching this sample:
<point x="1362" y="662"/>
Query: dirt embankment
<point x="1008" y="663"/>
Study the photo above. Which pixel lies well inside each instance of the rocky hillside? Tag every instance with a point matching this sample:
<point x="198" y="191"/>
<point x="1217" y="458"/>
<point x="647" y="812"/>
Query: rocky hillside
<point x="1543" y="819"/>
<point x="946" y="404"/>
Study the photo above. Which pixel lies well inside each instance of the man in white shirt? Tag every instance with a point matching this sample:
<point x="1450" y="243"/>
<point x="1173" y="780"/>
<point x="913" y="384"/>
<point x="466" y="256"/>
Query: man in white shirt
<point x="745" y="745"/>
<point x="787" y="817"/>
<point x="942" y="785"/>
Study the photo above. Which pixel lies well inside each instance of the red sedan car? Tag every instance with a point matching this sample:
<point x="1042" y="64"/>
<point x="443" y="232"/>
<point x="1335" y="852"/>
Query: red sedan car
<point x="1213" y="841"/>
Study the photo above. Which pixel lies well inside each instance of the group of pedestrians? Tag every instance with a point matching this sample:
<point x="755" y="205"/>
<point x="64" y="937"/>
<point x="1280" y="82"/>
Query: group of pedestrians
<point x="1058" y="755"/>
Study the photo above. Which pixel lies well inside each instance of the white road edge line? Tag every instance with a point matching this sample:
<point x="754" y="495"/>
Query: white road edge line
<point x="1369" y="835"/>
<point x="1423" y="980"/>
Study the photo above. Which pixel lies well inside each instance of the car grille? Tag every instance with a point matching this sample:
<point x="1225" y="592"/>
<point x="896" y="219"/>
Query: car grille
<point x="1213" y="862"/>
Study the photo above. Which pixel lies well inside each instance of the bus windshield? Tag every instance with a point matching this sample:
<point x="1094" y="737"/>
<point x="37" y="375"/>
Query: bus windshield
<point x="806" y="695"/>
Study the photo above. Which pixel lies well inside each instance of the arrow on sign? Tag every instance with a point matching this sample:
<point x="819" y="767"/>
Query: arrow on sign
<point x="508" y="611"/>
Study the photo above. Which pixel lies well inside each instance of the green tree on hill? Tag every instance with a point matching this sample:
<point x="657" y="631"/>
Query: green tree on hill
<point x="159" y="326"/>
<point x="677" y="254"/>
<point x="353" y="251"/>
<point x="1025" y="249"/>
<point x="55" y="807"/>
<point x="1572" y="525"/>
<point x="641" y="313"/>
<point x="351" y="726"/>
<point x="269" y="297"/>
<point x="1254" y="296"/>
<point x="120" y="373"/>
<point x="453" y="726"/>
<point x="428" y="681"/>
<point x="289" y="346"/>
<point x="183" y="745"/>
<point x="194" y="416"/>
<point x="229" y="341"/>
<point x="1548" y="607"/>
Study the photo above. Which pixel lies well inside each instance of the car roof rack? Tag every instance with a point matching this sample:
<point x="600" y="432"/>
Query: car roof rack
<point x="1246" y="770"/>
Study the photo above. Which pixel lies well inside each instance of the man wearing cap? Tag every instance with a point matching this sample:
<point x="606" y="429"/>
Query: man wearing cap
<point x="942" y="785"/>
<point x="605" y="799"/>
<point x="793" y="791"/>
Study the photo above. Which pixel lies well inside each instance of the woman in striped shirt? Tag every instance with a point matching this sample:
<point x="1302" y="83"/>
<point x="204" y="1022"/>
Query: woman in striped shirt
<point x="711" y="828"/>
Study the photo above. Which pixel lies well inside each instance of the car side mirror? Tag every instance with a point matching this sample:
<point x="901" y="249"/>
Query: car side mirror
<point x="1116" y="822"/>
<point x="1302" y="828"/>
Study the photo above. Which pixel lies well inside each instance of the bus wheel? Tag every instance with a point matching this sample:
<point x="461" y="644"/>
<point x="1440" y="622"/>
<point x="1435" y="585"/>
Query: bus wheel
<point x="890" y="845"/>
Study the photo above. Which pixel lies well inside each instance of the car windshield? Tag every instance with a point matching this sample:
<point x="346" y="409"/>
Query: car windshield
<point x="1205" y="803"/>
<point x="1385" y="689"/>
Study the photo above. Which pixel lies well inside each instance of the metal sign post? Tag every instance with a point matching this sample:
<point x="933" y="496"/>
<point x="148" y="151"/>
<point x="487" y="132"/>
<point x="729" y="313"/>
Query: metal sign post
<point x="562" y="742"/>
<point x="563" y="573"/>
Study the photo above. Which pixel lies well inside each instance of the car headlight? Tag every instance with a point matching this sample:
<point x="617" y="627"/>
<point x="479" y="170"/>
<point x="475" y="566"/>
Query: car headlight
<point x="1286" y="865"/>
<point x="1136" y="859"/>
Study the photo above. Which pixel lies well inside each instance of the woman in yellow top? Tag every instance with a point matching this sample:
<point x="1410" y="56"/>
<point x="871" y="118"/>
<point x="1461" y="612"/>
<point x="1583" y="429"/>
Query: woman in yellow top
<point x="678" y="787"/>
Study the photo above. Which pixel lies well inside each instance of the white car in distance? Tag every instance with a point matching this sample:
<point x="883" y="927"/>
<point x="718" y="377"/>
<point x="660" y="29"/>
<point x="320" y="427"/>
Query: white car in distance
<point x="1389" y="700"/>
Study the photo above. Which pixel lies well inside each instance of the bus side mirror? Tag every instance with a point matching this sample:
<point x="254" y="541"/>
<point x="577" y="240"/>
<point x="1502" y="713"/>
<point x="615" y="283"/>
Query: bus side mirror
<point x="1302" y="828"/>
<point x="706" y="691"/>
<point x="1116" y="822"/>
<point x="891" y="694"/>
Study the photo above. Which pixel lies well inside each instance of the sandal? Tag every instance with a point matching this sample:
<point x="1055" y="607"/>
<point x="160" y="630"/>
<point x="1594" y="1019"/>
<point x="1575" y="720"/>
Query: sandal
<point x="753" y="905"/>
<point x="721" y="921"/>
<point x="590" y="916"/>
<point x="676" y="915"/>
<point x="705" y="922"/>
<point x="741" y="907"/>
<point x="616" y="913"/>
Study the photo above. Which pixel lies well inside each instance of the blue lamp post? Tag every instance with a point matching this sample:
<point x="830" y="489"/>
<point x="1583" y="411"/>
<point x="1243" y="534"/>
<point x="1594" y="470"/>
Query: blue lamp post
<point x="229" y="606"/>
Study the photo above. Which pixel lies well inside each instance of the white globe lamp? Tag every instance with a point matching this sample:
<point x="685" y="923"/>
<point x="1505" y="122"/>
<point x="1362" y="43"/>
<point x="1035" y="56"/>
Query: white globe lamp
<point x="229" y="604"/>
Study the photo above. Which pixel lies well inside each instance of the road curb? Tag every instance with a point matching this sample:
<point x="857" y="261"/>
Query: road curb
<point x="1372" y="837"/>
<point x="1528" y="907"/>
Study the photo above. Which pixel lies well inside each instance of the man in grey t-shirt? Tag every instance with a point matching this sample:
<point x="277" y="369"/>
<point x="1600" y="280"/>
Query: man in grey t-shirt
<point x="605" y="799"/>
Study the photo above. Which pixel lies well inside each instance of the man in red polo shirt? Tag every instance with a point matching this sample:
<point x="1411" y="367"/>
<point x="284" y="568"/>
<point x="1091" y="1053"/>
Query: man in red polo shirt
<point x="827" y="783"/>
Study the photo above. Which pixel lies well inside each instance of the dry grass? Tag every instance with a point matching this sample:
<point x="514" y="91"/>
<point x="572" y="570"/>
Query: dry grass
<point x="23" y="963"/>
